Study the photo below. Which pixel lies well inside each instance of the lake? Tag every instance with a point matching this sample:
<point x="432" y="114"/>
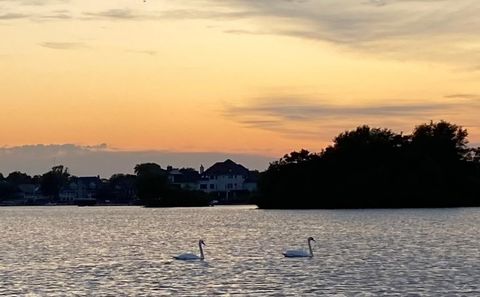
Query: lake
<point x="120" y="251"/>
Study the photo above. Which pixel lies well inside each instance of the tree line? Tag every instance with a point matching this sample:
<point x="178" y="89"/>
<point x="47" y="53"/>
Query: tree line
<point x="149" y="186"/>
<point x="377" y="168"/>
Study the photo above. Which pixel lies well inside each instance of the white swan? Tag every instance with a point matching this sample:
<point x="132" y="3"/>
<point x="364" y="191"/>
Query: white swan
<point x="300" y="253"/>
<point x="190" y="256"/>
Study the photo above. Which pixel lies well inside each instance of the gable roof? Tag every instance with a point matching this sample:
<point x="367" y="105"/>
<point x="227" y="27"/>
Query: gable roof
<point x="226" y="168"/>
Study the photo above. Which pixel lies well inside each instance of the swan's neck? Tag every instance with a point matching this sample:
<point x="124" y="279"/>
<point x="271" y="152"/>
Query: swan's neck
<point x="310" y="248"/>
<point x="202" y="256"/>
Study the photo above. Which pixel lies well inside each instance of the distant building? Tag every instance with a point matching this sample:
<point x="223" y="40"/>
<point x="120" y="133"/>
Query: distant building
<point x="29" y="191"/>
<point x="228" y="179"/>
<point x="185" y="178"/>
<point x="80" y="188"/>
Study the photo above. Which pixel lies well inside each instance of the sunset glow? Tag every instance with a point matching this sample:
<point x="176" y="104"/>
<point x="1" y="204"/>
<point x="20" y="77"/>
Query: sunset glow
<point x="234" y="76"/>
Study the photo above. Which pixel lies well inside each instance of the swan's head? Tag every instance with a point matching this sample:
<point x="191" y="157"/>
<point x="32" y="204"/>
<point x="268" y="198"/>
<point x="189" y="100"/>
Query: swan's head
<point x="311" y="239"/>
<point x="201" y="242"/>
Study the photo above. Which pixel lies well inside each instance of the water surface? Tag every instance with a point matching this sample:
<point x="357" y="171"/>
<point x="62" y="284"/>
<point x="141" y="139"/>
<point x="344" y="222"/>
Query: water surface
<point x="119" y="251"/>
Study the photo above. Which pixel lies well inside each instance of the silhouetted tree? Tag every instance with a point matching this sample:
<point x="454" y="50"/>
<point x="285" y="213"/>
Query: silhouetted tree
<point x="373" y="167"/>
<point x="52" y="181"/>
<point x="7" y="190"/>
<point x="17" y="178"/>
<point x="154" y="189"/>
<point x="120" y="188"/>
<point x="151" y="183"/>
<point x="441" y="141"/>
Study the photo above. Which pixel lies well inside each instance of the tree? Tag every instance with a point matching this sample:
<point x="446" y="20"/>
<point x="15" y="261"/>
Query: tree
<point x="375" y="167"/>
<point x="121" y="188"/>
<point x="151" y="183"/>
<point x="7" y="190"/>
<point x="52" y="181"/>
<point x="298" y="157"/>
<point x="442" y="141"/>
<point x="17" y="178"/>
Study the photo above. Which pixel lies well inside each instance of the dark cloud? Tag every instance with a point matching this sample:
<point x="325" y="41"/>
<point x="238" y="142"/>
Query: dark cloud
<point x="105" y="161"/>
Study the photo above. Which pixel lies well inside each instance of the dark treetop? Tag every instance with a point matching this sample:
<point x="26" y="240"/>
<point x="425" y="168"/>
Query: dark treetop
<point x="377" y="168"/>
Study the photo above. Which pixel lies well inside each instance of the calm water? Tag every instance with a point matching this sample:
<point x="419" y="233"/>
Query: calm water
<point x="58" y="251"/>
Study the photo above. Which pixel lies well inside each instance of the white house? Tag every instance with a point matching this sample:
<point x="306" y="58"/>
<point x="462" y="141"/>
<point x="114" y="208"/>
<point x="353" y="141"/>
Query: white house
<point x="227" y="177"/>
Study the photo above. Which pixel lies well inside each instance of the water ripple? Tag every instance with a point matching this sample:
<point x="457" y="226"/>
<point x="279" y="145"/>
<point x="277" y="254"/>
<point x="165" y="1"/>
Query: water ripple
<point x="126" y="251"/>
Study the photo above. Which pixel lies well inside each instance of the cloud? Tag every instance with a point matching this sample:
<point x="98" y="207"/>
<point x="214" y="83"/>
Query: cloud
<point x="292" y="108"/>
<point x="172" y="14"/>
<point x="34" y="2"/>
<point x="123" y="14"/>
<point x="12" y="16"/>
<point x="441" y="31"/>
<point x="63" y="45"/>
<point x="303" y="117"/>
<point x="432" y="30"/>
<point x="104" y="161"/>
<point x="463" y="96"/>
<point x="352" y="21"/>
<point x="65" y="15"/>
<point x="143" y="52"/>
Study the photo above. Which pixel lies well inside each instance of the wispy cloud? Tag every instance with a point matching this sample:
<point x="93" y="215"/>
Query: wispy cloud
<point x="435" y="30"/>
<point x="121" y="14"/>
<point x="12" y="16"/>
<point x="34" y="2"/>
<point x="172" y="14"/>
<point x="63" y="45"/>
<point x="291" y="108"/>
<point x="464" y="96"/>
<point x="143" y="52"/>
<point x="300" y="116"/>
<point x="429" y="30"/>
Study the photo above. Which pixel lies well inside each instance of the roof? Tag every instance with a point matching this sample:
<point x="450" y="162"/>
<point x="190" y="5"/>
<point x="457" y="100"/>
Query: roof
<point x="227" y="167"/>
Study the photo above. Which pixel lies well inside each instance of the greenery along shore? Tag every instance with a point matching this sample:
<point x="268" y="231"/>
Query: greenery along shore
<point x="377" y="168"/>
<point x="363" y="168"/>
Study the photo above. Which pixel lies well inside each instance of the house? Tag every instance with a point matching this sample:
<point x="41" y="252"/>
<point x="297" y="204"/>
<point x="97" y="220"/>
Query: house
<point x="185" y="178"/>
<point x="29" y="191"/>
<point x="227" y="179"/>
<point x="80" y="188"/>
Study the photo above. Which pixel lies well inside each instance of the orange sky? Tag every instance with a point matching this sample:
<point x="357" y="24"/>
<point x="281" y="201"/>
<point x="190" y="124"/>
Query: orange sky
<point x="233" y="76"/>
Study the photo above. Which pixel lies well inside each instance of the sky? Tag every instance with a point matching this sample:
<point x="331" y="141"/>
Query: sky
<point x="194" y="81"/>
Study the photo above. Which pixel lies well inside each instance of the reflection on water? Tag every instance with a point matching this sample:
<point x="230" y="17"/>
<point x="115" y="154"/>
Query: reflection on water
<point x="58" y="251"/>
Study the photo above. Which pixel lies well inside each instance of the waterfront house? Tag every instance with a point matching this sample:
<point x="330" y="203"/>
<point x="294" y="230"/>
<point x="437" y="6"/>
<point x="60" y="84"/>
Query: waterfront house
<point x="227" y="180"/>
<point x="185" y="178"/>
<point x="80" y="188"/>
